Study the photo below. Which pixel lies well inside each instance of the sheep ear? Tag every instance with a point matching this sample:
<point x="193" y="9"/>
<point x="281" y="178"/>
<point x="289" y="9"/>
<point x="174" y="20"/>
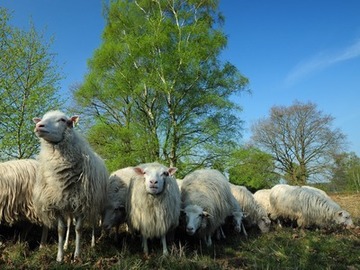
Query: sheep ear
<point x="36" y="120"/>
<point x="139" y="171"/>
<point x="206" y="214"/>
<point x="73" y="120"/>
<point x="172" y="170"/>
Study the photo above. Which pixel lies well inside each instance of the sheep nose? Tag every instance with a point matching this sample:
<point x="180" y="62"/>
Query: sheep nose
<point x="153" y="182"/>
<point x="189" y="229"/>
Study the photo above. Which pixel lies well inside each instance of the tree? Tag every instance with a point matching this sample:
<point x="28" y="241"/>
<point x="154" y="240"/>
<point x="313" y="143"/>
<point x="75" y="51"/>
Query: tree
<point x="346" y="173"/>
<point x="158" y="84"/>
<point x="28" y="85"/>
<point x="253" y="168"/>
<point x="301" y="140"/>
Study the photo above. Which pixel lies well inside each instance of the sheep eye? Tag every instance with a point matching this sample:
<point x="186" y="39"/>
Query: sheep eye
<point x="166" y="173"/>
<point x="62" y="120"/>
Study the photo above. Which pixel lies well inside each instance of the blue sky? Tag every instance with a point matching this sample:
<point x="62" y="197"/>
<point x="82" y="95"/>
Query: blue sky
<point x="305" y="50"/>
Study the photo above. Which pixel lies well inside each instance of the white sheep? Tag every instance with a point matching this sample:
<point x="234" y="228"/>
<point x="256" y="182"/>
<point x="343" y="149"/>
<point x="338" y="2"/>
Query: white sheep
<point x="319" y="191"/>
<point x="256" y="215"/>
<point x="115" y="208"/>
<point x="206" y="201"/>
<point x="72" y="178"/>
<point x="17" y="179"/>
<point x="262" y="197"/>
<point x="235" y="219"/>
<point x="307" y="207"/>
<point x="153" y="204"/>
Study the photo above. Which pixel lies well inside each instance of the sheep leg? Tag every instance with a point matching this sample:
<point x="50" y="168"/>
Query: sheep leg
<point x="164" y="245"/>
<point x="208" y="240"/>
<point x="145" y="245"/>
<point x="244" y="230"/>
<point x="93" y="237"/>
<point x="44" y="236"/>
<point x="66" y="244"/>
<point x="78" y="230"/>
<point x="61" y="232"/>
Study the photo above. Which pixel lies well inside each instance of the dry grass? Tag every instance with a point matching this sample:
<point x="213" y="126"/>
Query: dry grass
<point x="349" y="202"/>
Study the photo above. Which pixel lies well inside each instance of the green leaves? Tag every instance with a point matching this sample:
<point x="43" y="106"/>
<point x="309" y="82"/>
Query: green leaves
<point x="28" y="87"/>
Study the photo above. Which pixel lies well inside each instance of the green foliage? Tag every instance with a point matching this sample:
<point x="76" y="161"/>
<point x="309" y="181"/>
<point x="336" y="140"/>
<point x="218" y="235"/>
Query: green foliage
<point x="346" y="173"/>
<point x="28" y="87"/>
<point x="157" y="75"/>
<point x="252" y="168"/>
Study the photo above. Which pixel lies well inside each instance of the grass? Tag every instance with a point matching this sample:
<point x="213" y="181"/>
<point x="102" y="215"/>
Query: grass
<point x="282" y="248"/>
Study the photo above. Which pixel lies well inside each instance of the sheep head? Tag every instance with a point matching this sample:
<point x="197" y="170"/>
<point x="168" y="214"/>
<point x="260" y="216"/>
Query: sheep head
<point x="52" y="126"/>
<point x="196" y="218"/>
<point x="155" y="176"/>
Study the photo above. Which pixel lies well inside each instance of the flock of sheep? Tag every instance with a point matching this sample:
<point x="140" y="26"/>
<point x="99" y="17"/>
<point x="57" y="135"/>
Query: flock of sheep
<point x="68" y="182"/>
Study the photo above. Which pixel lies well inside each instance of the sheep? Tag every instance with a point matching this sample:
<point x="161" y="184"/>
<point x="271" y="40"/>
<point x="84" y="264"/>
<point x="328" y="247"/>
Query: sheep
<point x="235" y="219"/>
<point x="17" y="179"/>
<point x="319" y="191"/>
<point x="206" y="201"/>
<point x="255" y="213"/>
<point x="115" y="208"/>
<point x="153" y="203"/>
<point x="71" y="180"/>
<point x="307" y="207"/>
<point x="262" y="197"/>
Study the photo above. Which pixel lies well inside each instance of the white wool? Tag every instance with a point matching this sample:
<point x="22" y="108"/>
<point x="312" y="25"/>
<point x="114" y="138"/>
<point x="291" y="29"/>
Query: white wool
<point x="307" y="207"/>
<point x="153" y="202"/>
<point x="209" y="190"/>
<point x="72" y="178"/>
<point x="17" y="179"/>
<point x="262" y="196"/>
<point x="115" y="209"/>
<point x="255" y="214"/>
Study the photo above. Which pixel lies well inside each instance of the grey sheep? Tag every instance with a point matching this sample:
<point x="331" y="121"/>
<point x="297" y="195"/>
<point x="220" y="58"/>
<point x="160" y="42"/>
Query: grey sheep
<point x="72" y="178"/>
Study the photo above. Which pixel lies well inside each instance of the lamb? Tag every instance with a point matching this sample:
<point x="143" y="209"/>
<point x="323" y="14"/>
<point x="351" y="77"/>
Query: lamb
<point x="206" y="201"/>
<point x="255" y="213"/>
<point x="71" y="180"/>
<point x="17" y="179"/>
<point x="306" y="207"/>
<point x="153" y="203"/>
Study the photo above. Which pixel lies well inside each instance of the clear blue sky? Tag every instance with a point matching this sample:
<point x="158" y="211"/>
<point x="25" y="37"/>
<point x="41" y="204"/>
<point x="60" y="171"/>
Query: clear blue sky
<point x="305" y="50"/>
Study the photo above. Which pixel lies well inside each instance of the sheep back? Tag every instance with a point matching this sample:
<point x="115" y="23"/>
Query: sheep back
<point x="255" y="214"/>
<point x="17" y="179"/>
<point x="209" y="189"/>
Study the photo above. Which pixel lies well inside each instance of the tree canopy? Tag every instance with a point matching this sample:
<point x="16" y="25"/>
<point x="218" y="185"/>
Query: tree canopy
<point x="156" y="88"/>
<point x="28" y="87"/>
<point x="301" y="140"/>
<point x="252" y="168"/>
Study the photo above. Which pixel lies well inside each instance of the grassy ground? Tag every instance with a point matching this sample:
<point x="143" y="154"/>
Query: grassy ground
<point x="282" y="248"/>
